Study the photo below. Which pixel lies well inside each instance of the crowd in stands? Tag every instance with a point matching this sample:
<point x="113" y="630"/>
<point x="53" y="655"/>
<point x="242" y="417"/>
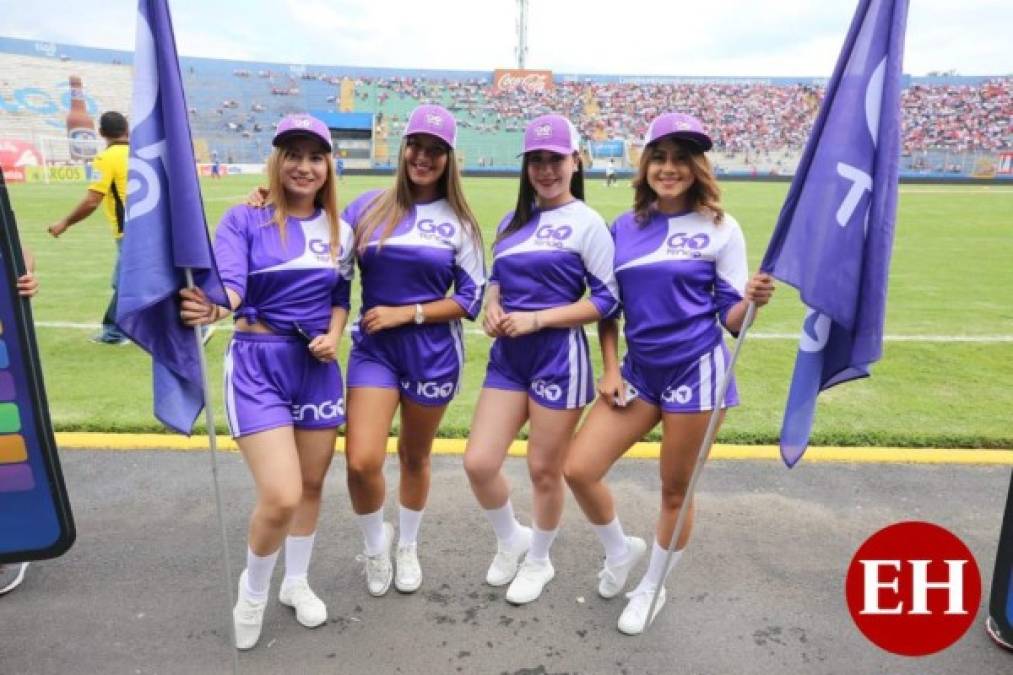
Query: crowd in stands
<point x="741" y="117"/>
<point x="959" y="118"/>
<point x="748" y="118"/>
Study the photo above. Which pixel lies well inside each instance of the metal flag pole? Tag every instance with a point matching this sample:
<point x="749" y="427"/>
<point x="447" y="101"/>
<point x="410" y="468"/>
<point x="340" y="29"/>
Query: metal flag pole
<point x="705" y="447"/>
<point x="213" y="445"/>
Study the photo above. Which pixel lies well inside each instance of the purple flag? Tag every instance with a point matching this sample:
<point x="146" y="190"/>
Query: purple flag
<point x="166" y="231"/>
<point x="834" y="236"/>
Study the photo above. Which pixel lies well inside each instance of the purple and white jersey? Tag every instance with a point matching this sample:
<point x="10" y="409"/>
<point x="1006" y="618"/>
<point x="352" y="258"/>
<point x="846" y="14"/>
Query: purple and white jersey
<point x="552" y="259"/>
<point x="284" y="283"/>
<point x="678" y="276"/>
<point x="428" y="252"/>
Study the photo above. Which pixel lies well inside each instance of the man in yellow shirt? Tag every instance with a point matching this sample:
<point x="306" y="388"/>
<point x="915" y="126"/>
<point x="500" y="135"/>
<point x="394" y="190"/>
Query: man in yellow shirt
<point x="109" y="188"/>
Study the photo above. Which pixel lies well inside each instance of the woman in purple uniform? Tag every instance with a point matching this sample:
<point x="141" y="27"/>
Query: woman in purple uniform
<point x="415" y="242"/>
<point x="680" y="262"/>
<point x="287" y="271"/>
<point x="548" y="252"/>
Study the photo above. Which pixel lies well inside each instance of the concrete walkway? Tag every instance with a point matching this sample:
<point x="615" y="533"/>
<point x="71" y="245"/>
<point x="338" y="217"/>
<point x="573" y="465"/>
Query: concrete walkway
<point x="760" y="590"/>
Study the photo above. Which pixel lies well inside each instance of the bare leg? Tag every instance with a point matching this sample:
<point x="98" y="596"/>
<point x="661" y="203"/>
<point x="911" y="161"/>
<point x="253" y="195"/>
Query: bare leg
<point x="605" y="436"/>
<point x="274" y="463"/>
<point x="499" y="415"/>
<point x="414" y="445"/>
<point x="316" y="450"/>
<point x="370" y="413"/>
<point x="680" y="445"/>
<point x="548" y="442"/>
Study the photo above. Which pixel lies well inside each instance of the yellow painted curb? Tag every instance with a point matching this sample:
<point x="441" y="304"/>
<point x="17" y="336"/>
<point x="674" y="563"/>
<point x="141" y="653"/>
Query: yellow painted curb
<point x="455" y="446"/>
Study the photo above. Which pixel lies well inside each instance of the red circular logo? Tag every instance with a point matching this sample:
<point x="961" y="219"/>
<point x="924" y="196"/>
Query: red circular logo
<point x="913" y="588"/>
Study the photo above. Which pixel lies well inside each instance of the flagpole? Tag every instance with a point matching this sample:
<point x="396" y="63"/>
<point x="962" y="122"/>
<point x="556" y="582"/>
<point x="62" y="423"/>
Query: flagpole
<point x="705" y="447"/>
<point x="213" y="445"/>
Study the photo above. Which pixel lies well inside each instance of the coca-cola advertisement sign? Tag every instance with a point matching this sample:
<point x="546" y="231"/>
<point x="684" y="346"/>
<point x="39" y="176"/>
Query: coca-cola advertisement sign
<point x="527" y="81"/>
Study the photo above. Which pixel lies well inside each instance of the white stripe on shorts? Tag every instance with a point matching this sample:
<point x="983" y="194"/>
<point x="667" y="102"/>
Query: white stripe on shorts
<point x="706" y="398"/>
<point x="719" y="366"/>
<point x="574" y="356"/>
<point x="579" y="394"/>
<point x="457" y="333"/>
<point x="230" y="393"/>
<point x="585" y="369"/>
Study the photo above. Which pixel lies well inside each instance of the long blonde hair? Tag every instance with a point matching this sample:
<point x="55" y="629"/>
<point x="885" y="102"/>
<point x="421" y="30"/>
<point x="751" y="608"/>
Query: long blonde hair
<point x="326" y="197"/>
<point x="703" y="196"/>
<point x="390" y="206"/>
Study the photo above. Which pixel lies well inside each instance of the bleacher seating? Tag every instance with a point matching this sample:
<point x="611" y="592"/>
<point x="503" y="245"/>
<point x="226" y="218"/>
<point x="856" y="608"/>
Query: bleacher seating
<point x="759" y="125"/>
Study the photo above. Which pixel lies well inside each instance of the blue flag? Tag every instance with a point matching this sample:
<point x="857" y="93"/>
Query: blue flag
<point x="165" y="231"/>
<point x="834" y="236"/>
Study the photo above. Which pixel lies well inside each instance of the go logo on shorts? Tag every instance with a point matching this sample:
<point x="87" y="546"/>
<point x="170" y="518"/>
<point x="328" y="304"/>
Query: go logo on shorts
<point x="433" y="389"/>
<point x="685" y="244"/>
<point x="429" y="229"/>
<point x="682" y="395"/>
<point x="548" y="391"/>
<point x="328" y="410"/>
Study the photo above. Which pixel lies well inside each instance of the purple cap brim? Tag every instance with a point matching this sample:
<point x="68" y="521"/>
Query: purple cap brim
<point x="699" y="140"/>
<point x="301" y="132"/>
<point x="559" y="150"/>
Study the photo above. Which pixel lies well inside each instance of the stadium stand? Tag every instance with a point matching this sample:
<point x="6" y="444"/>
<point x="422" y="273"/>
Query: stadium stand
<point x="952" y="125"/>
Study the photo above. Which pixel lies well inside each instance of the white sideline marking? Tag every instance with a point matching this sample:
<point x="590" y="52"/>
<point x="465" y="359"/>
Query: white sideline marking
<point x="984" y="190"/>
<point x="978" y="339"/>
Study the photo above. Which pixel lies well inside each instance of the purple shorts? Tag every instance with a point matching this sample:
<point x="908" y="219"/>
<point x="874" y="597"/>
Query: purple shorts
<point x="690" y="387"/>
<point x="273" y="381"/>
<point x="423" y="362"/>
<point x="552" y="365"/>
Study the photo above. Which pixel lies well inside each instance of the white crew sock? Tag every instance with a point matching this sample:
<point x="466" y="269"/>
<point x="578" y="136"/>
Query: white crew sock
<point x="258" y="574"/>
<point x="655" y="574"/>
<point x="612" y="538"/>
<point x="408" y="525"/>
<point x="298" y="551"/>
<point x="371" y="525"/>
<point x="541" y="542"/>
<point x="504" y="522"/>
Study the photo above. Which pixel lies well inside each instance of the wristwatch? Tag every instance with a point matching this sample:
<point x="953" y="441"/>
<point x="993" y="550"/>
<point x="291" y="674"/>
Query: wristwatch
<point x="420" y="316"/>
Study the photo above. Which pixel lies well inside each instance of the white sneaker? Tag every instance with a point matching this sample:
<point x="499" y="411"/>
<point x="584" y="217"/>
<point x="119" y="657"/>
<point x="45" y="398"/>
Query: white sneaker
<point x="530" y="581"/>
<point x="508" y="557"/>
<point x="634" y="617"/>
<point x="613" y="577"/>
<point x="248" y="617"/>
<point x="379" y="570"/>
<point x="310" y="610"/>
<point x="408" y="577"/>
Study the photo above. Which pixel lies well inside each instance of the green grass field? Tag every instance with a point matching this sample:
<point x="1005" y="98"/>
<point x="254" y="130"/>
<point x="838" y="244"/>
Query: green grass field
<point x="951" y="276"/>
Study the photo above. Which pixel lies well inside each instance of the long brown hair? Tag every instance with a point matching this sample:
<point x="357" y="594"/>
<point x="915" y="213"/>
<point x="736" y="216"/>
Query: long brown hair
<point x="390" y="206"/>
<point x="526" y="196"/>
<point x="326" y="197"/>
<point x="703" y="196"/>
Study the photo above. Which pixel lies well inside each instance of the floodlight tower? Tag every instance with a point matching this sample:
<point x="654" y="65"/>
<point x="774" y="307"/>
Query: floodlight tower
<point x="522" y="33"/>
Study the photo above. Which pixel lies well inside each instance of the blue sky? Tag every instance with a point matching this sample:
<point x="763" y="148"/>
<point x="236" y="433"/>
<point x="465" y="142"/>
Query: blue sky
<point x="651" y="37"/>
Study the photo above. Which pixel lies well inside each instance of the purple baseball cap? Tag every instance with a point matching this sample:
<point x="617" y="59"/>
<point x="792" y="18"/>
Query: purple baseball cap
<point x="305" y="125"/>
<point x="434" y="120"/>
<point x="553" y="133"/>
<point x="679" y="125"/>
